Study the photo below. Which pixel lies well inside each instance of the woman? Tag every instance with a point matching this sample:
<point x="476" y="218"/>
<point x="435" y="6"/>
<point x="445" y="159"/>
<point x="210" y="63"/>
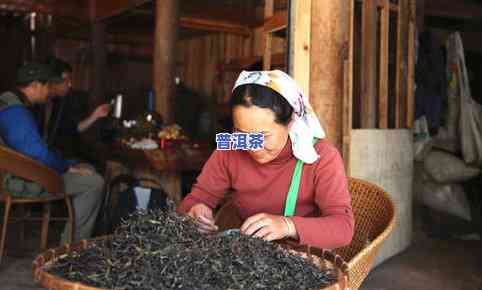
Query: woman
<point x="270" y="102"/>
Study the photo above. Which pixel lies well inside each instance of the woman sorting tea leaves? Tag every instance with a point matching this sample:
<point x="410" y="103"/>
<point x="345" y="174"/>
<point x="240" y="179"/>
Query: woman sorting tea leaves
<point x="294" y="186"/>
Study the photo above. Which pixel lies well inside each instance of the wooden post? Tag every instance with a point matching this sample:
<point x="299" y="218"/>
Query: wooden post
<point x="384" y="57"/>
<point x="167" y="19"/>
<point x="300" y="50"/>
<point x="268" y="12"/>
<point x="331" y="67"/>
<point x="401" y="69"/>
<point x="369" y="65"/>
<point x="347" y="114"/>
<point x="411" y="63"/>
<point x="99" y="52"/>
<point x="99" y="60"/>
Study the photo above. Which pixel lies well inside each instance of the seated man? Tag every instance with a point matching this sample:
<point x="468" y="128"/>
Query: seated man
<point x="20" y="132"/>
<point x="68" y="115"/>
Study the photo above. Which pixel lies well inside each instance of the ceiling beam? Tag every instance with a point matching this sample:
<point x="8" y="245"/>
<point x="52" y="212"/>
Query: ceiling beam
<point x="73" y="10"/>
<point x="461" y="9"/>
<point x="108" y="8"/>
<point x="214" y="25"/>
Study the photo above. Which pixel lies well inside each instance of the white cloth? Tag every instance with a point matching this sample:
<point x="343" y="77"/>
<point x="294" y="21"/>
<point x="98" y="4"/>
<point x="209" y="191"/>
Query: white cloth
<point x="305" y="125"/>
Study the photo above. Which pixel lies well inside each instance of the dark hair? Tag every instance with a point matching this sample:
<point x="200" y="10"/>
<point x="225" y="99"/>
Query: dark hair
<point x="60" y="66"/>
<point x="263" y="97"/>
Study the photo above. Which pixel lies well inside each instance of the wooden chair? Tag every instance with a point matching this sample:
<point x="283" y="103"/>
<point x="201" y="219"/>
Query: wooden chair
<point x="374" y="214"/>
<point x="29" y="169"/>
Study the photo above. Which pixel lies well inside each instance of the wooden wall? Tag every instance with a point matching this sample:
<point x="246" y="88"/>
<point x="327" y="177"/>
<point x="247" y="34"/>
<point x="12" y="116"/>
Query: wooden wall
<point x="131" y="77"/>
<point x="200" y="59"/>
<point x="199" y="65"/>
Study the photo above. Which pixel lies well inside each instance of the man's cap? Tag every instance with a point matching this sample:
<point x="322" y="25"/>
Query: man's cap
<point x="34" y="72"/>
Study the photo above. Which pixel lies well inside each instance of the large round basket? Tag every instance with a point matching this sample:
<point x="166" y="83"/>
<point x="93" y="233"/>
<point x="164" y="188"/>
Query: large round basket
<point x="322" y="258"/>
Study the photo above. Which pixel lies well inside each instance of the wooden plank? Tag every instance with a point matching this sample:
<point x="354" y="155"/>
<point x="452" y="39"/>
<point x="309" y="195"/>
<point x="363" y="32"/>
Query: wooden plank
<point x="276" y="22"/>
<point x="411" y="64"/>
<point x="300" y="44"/>
<point x="238" y="11"/>
<point x="268" y="37"/>
<point x="236" y="64"/>
<point x="393" y="7"/>
<point x="214" y="25"/>
<point x="383" y="73"/>
<point x="369" y="65"/>
<point x="347" y="115"/>
<point x="108" y="8"/>
<point x="399" y="65"/>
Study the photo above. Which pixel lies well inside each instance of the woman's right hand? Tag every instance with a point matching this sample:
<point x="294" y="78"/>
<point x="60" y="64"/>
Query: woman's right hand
<point x="203" y="215"/>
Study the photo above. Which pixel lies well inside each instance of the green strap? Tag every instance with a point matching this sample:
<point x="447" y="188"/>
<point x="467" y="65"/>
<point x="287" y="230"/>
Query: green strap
<point x="292" y="196"/>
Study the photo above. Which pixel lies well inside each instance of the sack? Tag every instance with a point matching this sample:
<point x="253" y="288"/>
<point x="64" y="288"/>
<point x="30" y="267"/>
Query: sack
<point x="22" y="188"/>
<point x="447" y="168"/>
<point x="124" y="196"/>
<point x="448" y="198"/>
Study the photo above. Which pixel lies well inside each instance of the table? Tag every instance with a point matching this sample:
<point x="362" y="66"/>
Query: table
<point x="165" y="166"/>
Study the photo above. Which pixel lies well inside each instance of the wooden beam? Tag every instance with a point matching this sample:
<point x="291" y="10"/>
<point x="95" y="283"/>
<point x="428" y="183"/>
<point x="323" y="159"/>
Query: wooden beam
<point x="268" y="37"/>
<point x="234" y="12"/>
<point x="461" y="9"/>
<point x="300" y="46"/>
<point x="108" y="8"/>
<point x="276" y="22"/>
<point x="73" y="10"/>
<point x="214" y="25"/>
<point x="369" y="65"/>
<point x="330" y="69"/>
<point x="384" y="59"/>
<point x="167" y="18"/>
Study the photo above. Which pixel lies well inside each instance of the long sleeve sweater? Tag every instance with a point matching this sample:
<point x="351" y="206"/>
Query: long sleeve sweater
<point x="323" y="216"/>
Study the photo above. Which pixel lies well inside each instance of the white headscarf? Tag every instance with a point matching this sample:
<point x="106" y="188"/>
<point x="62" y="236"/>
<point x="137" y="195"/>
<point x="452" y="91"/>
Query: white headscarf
<point x="305" y="125"/>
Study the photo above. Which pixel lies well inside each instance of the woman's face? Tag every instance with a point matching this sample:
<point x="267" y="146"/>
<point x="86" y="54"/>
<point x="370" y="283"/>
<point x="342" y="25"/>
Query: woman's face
<point x="254" y="119"/>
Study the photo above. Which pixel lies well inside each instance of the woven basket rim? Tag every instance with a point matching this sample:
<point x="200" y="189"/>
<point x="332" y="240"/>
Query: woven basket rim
<point x="386" y="232"/>
<point x="326" y="257"/>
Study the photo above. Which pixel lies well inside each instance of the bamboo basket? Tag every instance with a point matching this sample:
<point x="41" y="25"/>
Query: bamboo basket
<point x="322" y="258"/>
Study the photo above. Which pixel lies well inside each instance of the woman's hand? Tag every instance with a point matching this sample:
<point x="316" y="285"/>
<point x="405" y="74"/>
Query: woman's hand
<point x="203" y="215"/>
<point x="269" y="227"/>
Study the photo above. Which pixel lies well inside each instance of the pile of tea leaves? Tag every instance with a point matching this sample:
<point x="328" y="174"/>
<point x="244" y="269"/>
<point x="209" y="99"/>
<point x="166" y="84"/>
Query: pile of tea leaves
<point x="163" y="250"/>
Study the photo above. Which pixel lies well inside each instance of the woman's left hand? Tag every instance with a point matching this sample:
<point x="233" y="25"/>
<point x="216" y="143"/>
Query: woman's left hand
<point x="266" y="226"/>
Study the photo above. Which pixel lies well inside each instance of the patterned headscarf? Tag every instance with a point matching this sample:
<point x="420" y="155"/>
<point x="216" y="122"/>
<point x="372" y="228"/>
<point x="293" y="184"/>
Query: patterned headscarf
<point x="305" y="125"/>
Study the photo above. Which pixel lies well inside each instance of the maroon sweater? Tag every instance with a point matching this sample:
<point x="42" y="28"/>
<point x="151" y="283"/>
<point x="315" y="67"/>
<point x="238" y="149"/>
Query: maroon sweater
<point x="323" y="216"/>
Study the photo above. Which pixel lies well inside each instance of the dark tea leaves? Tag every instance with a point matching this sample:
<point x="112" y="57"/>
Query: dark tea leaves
<point x="163" y="250"/>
